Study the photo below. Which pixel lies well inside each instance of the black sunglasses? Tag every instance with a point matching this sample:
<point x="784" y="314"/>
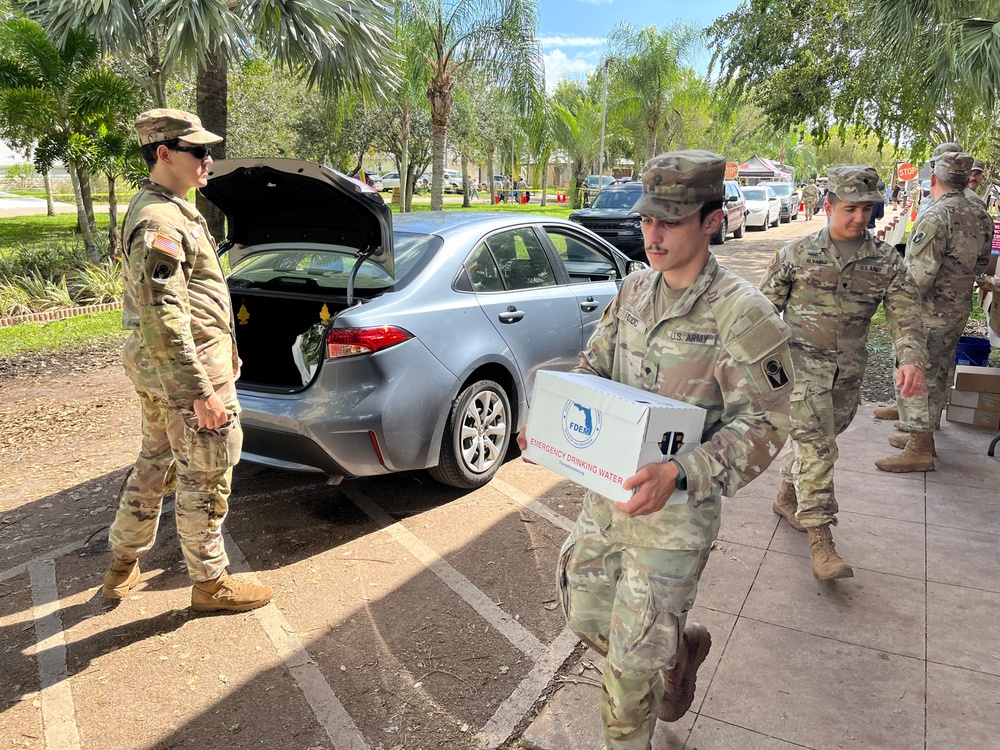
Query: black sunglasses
<point x="198" y="152"/>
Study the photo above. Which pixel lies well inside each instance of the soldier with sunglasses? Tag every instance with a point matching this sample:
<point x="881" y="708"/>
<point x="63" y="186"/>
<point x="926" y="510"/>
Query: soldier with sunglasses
<point x="181" y="356"/>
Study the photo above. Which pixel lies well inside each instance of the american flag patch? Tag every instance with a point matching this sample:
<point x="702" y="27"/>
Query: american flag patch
<point x="165" y="244"/>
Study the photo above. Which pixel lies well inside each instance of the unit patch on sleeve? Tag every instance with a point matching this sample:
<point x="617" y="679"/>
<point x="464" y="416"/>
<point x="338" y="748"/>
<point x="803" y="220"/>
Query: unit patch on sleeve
<point x="918" y="238"/>
<point x="774" y="259"/>
<point x="166" y="245"/>
<point x="775" y="372"/>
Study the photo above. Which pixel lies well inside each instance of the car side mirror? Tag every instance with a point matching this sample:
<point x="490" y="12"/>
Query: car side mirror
<point x="732" y="198"/>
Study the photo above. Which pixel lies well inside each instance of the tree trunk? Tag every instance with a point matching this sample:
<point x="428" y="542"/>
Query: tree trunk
<point x="440" y="95"/>
<point x="489" y="176"/>
<point x="404" y="158"/>
<point x="113" y="215"/>
<point x="86" y="192"/>
<point x="81" y="213"/>
<point x="213" y="90"/>
<point x="650" y="143"/>
<point x="545" y="175"/>
<point x="465" y="182"/>
<point x="50" y="206"/>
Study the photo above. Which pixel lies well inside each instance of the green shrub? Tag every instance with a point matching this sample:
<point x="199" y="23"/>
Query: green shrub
<point x="93" y="285"/>
<point x="13" y="300"/>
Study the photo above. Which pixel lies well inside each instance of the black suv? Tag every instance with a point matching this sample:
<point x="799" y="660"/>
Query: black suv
<point x="735" y="206"/>
<point x="609" y="217"/>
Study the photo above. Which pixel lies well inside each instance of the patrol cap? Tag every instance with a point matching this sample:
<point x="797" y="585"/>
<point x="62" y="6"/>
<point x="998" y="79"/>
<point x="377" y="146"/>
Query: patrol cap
<point x="949" y="147"/>
<point x="854" y="183"/>
<point x="158" y="125"/>
<point x="677" y="184"/>
<point x="978" y="165"/>
<point x="812" y="181"/>
<point x="953" y="164"/>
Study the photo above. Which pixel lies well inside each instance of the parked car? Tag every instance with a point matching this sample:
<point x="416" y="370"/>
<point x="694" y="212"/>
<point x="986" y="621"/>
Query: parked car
<point x="735" y="206"/>
<point x="763" y="207"/>
<point x="452" y="181"/>
<point x="610" y="216"/>
<point x="788" y="198"/>
<point x="593" y="184"/>
<point x="374" y="181"/>
<point x="390" y="180"/>
<point x="374" y="343"/>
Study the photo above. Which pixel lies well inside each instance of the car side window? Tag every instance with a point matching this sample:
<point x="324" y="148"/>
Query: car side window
<point x="522" y="259"/>
<point x="482" y="270"/>
<point x="584" y="263"/>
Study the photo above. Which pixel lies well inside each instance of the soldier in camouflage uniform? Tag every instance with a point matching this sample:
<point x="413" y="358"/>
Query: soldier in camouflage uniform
<point x="949" y="247"/>
<point x="829" y="285"/>
<point x="975" y="179"/>
<point x="181" y="356"/>
<point x="691" y="330"/>
<point x="810" y="194"/>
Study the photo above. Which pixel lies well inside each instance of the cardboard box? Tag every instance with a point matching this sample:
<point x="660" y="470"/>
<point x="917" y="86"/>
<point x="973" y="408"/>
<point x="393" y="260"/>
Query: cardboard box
<point x="599" y="433"/>
<point x="974" y="400"/>
<point x="979" y="379"/>
<point x="975" y="417"/>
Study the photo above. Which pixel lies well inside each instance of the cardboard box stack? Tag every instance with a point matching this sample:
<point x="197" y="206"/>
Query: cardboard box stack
<point x="975" y="399"/>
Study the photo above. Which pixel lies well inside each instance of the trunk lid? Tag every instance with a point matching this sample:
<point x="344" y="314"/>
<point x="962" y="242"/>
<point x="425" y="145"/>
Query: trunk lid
<point x="288" y="200"/>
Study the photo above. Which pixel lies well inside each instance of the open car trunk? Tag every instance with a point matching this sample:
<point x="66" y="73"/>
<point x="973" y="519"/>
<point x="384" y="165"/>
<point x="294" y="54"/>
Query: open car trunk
<point x="281" y="340"/>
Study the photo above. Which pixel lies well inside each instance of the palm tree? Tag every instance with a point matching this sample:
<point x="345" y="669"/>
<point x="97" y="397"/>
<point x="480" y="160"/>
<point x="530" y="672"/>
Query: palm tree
<point x="492" y="36"/>
<point x="337" y="44"/>
<point x="54" y="96"/>
<point x="538" y="127"/>
<point x="578" y="130"/>
<point x="649" y="66"/>
<point x="959" y="40"/>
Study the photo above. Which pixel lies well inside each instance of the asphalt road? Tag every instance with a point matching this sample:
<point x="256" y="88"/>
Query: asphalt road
<point x="406" y="614"/>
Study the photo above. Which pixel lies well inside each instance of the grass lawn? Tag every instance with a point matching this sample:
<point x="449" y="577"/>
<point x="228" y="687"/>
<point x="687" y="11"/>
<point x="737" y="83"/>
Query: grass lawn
<point x="81" y="332"/>
<point x="36" y="230"/>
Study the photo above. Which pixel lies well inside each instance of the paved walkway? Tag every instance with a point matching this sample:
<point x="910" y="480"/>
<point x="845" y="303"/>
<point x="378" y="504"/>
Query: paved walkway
<point x="905" y="655"/>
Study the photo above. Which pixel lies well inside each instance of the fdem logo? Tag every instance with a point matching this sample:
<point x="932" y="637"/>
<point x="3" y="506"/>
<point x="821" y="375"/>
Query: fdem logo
<point x="580" y="424"/>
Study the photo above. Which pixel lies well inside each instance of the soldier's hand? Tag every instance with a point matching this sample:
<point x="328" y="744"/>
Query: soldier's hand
<point x="239" y="368"/>
<point x="910" y="381"/>
<point x="655" y="483"/>
<point x="522" y="442"/>
<point x="211" y="412"/>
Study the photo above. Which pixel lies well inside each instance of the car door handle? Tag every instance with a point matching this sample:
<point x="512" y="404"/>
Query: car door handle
<point x="589" y="305"/>
<point x="511" y="315"/>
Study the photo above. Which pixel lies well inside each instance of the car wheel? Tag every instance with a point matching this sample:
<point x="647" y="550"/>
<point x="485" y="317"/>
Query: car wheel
<point x="740" y="230"/>
<point x="777" y="220"/>
<point x="719" y="238"/>
<point x="763" y="227"/>
<point x="476" y="436"/>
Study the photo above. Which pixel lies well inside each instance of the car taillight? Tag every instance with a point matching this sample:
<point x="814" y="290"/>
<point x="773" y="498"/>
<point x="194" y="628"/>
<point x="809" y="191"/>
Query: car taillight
<point x="349" y="342"/>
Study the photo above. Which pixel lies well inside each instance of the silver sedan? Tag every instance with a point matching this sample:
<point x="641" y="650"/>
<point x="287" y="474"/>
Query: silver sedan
<point x="374" y="343"/>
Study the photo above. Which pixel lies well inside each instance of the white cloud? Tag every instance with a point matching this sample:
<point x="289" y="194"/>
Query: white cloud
<point x="559" y="67"/>
<point x="571" y="41"/>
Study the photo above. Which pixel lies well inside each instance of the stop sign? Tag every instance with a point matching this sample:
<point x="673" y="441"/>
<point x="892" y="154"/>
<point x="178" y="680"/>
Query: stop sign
<point x="906" y="172"/>
<point x="732" y="170"/>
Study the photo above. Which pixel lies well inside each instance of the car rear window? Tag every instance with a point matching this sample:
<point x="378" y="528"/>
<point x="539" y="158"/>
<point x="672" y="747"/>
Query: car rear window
<point x="754" y="194"/>
<point x="319" y="268"/>
<point x="784" y="188"/>
<point x="618" y="198"/>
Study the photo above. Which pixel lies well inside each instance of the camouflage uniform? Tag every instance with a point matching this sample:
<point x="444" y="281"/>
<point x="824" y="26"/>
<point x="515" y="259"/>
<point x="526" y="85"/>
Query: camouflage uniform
<point x="949" y="246"/>
<point x="828" y="301"/>
<point x="180" y="348"/>
<point x="810" y="195"/>
<point x="627" y="584"/>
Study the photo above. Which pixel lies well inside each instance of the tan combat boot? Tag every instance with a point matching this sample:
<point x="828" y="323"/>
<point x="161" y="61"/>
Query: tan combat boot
<point x="786" y="504"/>
<point x="900" y="426"/>
<point x="900" y="441"/>
<point x="827" y="565"/>
<point x="918" y="455"/>
<point x="886" y="412"/>
<point x="679" y="682"/>
<point x="226" y="594"/>
<point x="121" y="578"/>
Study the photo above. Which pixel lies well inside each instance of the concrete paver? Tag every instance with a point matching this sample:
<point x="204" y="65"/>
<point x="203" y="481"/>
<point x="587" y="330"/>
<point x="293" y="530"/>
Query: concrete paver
<point x="904" y="655"/>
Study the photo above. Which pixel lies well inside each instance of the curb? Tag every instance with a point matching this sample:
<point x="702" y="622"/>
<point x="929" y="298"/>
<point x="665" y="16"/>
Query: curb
<point x="65" y="312"/>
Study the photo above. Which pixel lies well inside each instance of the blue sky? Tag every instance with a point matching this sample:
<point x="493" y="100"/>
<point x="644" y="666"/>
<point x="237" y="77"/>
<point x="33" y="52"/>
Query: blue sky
<point x="574" y="32"/>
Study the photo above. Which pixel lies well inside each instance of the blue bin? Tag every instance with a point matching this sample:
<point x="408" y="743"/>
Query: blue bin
<point x="974" y="351"/>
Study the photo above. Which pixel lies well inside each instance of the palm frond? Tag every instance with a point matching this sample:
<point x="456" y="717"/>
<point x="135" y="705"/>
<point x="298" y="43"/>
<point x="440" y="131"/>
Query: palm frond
<point x="101" y="95"/>
<point x="196" y="28"/>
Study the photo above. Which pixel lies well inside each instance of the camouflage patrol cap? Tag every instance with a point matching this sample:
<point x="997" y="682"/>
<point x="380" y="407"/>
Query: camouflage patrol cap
<point x="978" y="165"/>
<point x="950" y="147"/>
<point x="157" y="125"/>
<point x="677" y="184"/>
<point x="951" y="163"/>
<point x="854" y="183"/>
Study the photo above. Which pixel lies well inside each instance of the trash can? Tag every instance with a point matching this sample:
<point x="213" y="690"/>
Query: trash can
<point x="974" y="351"/>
